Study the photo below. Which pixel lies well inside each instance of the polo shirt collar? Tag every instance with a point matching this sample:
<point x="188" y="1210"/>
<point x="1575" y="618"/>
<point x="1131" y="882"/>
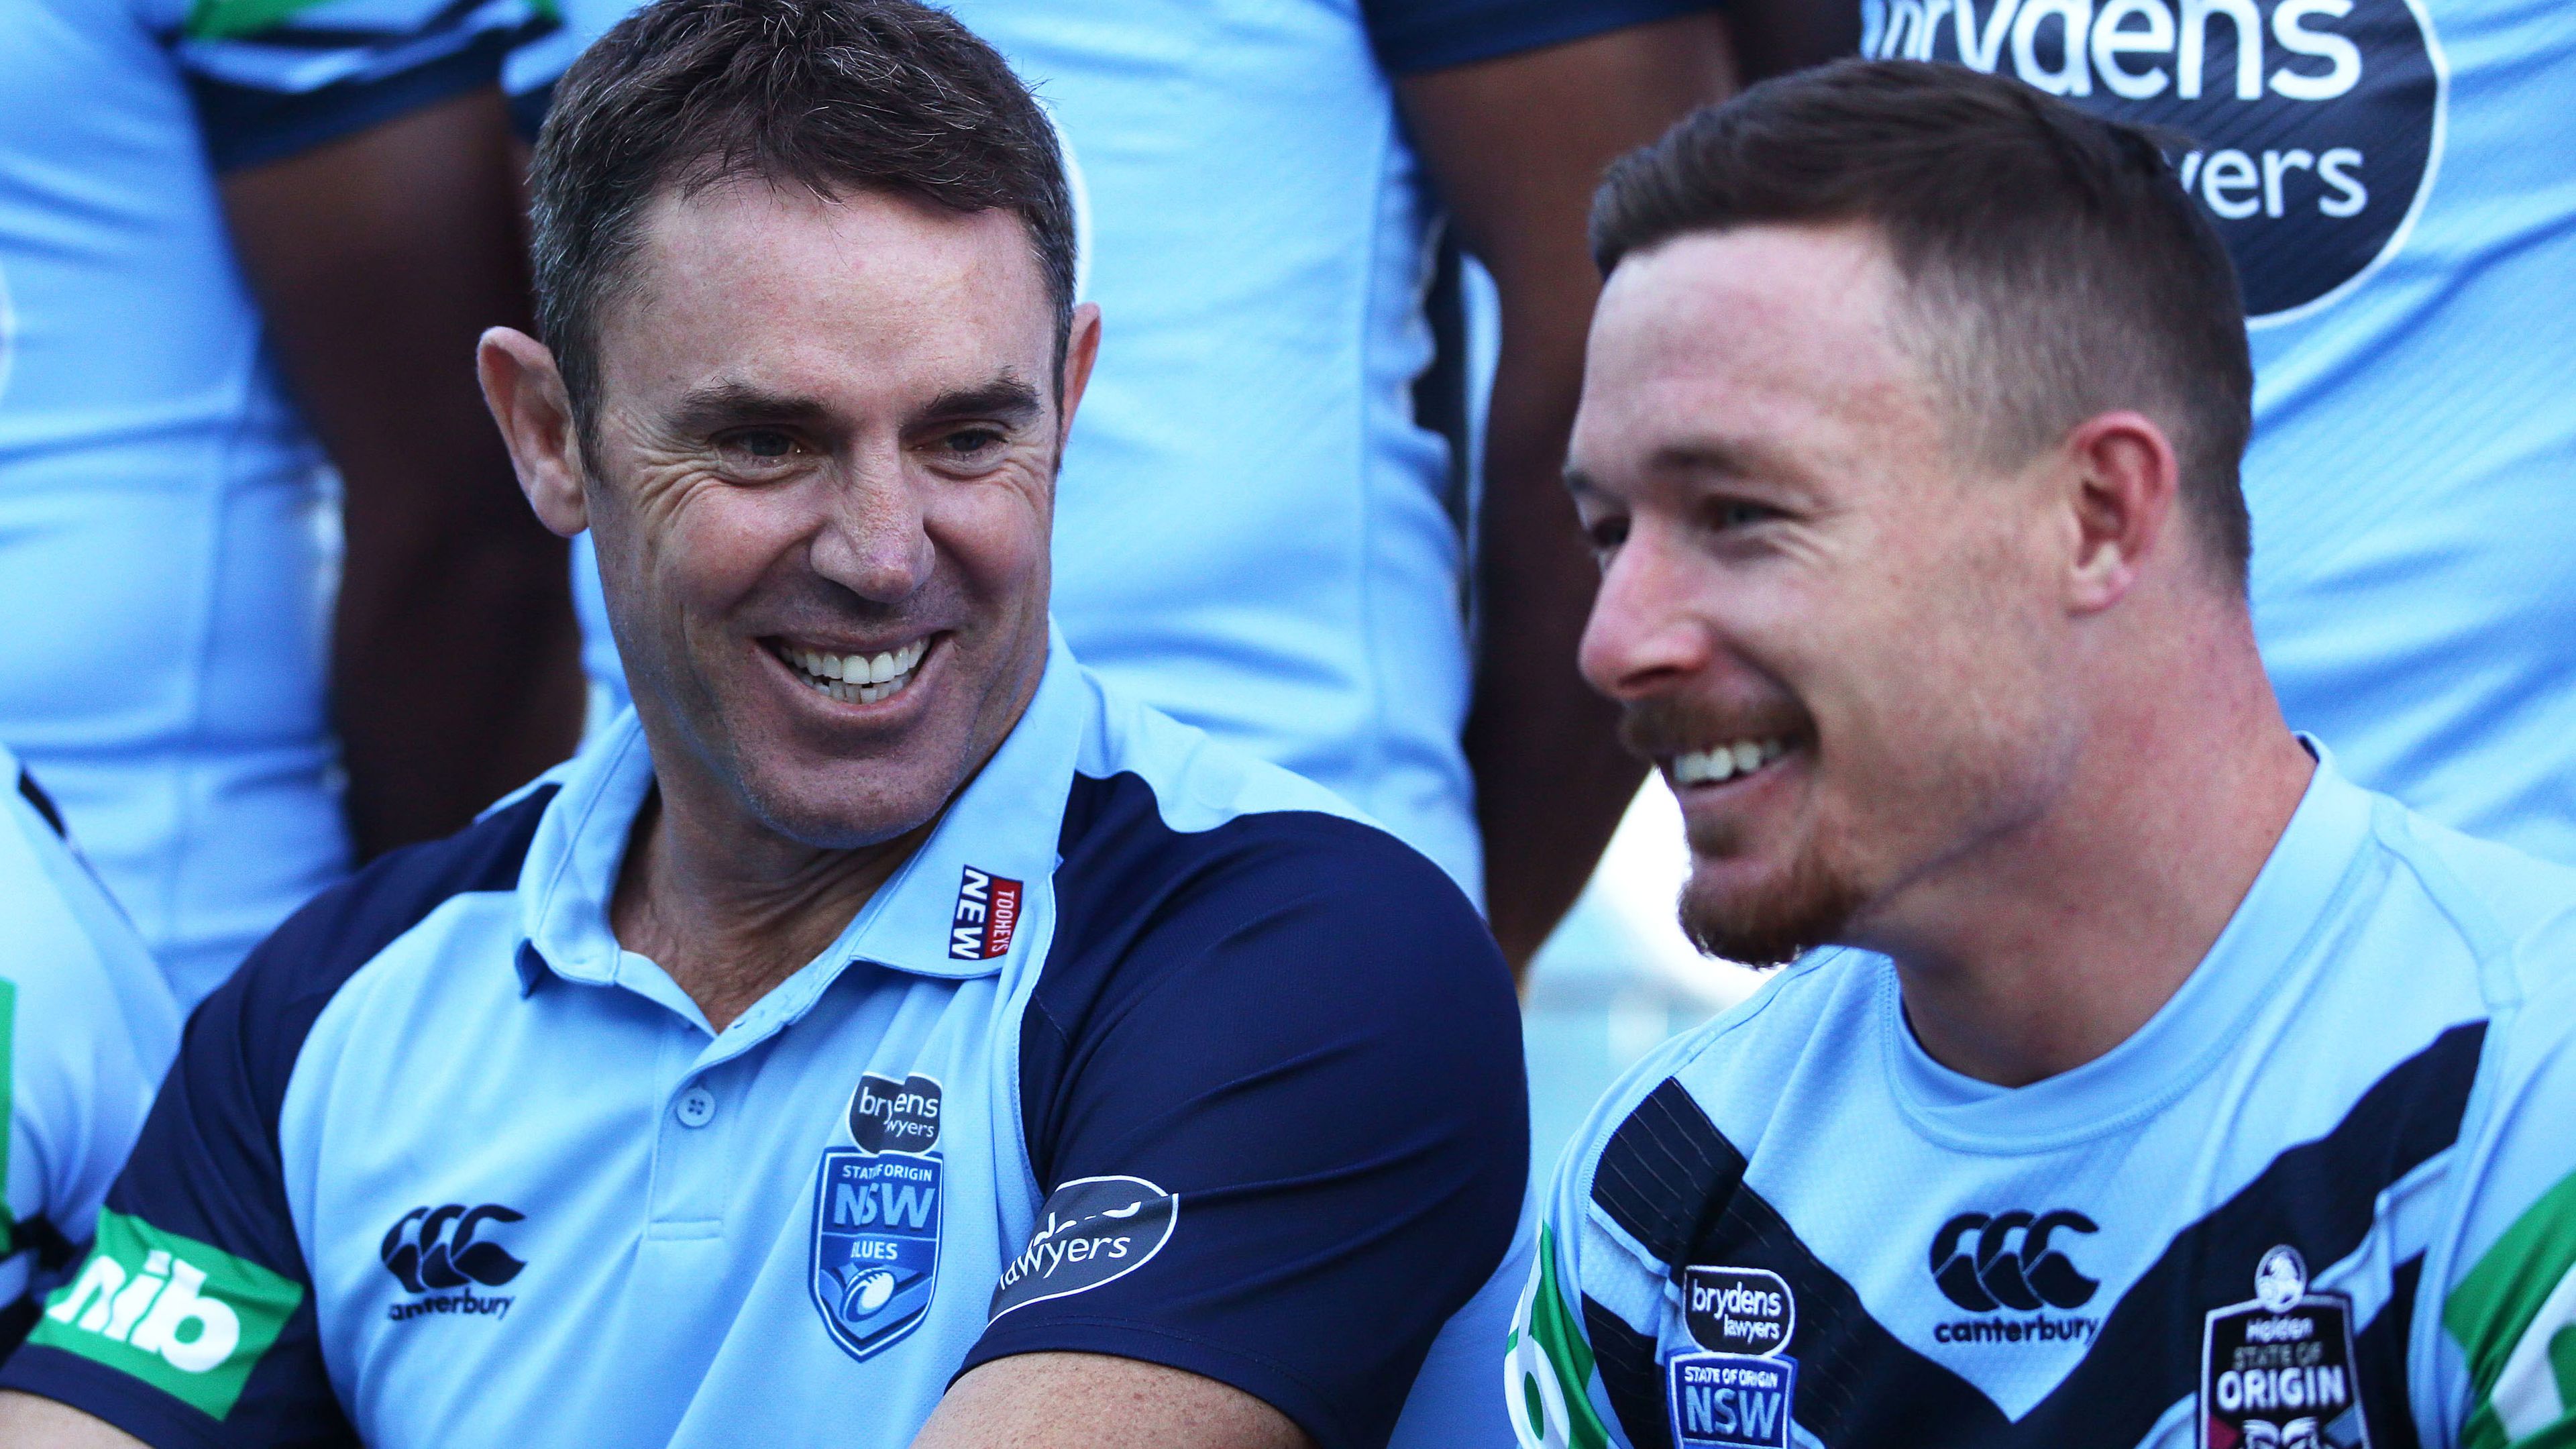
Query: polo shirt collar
<point x="1001" y="829"/>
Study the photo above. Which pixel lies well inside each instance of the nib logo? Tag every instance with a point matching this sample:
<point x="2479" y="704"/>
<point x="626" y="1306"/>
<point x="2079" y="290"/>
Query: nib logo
<point x="187" y="1318"/>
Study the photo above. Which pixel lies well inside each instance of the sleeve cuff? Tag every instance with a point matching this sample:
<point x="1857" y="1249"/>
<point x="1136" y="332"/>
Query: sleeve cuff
<point x="110" y="1397"/>
<point x="247" y="126"/>
<point x="1272" y="1383"/>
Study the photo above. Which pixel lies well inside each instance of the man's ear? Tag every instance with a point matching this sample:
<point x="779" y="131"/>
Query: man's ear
<point x="525" y="391"/>
<point x="2124" y="487"/>
<point x="1081" y="350"/>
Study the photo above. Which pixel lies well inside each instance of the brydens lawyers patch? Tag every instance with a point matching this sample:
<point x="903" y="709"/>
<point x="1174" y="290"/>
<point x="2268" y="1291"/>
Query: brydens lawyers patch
<point x="1091" y="1230"/>
<point x="2308" y="131"/>
<point x="877" y="1215"/>
<point x="1739" y="1393"/>
<point x="987" y="915"/>
<point x="2277" y="1372"/>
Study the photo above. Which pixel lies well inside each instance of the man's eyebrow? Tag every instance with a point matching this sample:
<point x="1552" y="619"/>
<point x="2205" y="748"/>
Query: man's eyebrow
<point x="1707" y="455"/>
<point x="1005" y="398"/>
<point x="719" y="404"/>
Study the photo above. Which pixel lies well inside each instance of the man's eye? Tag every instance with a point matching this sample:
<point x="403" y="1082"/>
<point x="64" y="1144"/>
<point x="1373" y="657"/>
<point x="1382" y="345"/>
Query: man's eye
<point x="970" y="442"/>
<point x="758" y="445"/>
<point x="1736" y="513"/>
<point x="1607" y="534"/>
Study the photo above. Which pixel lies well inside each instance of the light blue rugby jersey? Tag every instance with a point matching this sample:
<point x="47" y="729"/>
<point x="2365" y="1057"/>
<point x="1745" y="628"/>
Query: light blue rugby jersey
<point x="1253" y="533"/>
<point x="1150" y="1050"/>
<point x="86" y="1030"/>
<point x="167" y="541"/>
<point x="2322" y="1199"/>
<point x="2390" y="179"/>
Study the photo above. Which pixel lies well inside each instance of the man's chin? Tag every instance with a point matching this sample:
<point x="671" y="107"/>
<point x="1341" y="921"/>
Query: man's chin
<point x="1771" y="922"/>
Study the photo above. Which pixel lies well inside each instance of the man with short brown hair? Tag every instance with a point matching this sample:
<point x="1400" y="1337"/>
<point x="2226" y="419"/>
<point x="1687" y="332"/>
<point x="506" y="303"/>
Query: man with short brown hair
<point x="2138" y="1080"/>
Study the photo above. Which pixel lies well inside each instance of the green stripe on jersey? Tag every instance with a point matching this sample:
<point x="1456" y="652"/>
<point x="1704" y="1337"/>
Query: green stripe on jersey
<point x="188" y="1319"/>
<point x="2514" y="1315"/>
<point x="1547" y="1366"/>
<point x="227" y="19"/>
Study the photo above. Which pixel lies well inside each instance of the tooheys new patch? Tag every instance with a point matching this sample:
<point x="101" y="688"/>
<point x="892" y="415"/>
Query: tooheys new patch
<point x="1740" y="1392"/>
<point x="2277" y="1372"/>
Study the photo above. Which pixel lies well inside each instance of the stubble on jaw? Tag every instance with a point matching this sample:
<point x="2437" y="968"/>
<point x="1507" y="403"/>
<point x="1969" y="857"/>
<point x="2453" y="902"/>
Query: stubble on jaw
<point x="1812" y="904"/>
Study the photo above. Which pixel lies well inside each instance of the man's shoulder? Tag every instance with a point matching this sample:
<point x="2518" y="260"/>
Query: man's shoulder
<point x="1732" y="1070"/>
<point x="304" y="962"/>
<point x="2511" y="910"/>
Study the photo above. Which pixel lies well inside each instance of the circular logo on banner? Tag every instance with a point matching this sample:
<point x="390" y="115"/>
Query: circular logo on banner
<point x="2309" y="131"/>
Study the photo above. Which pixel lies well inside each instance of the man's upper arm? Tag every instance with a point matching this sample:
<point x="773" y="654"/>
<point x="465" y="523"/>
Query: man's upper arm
<point x="1279" y="1120"/>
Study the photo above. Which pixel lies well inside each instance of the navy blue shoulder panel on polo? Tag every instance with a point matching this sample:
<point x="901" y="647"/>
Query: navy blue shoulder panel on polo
<point x="207" y="1167"/>
<point x="1412" y="36"/>
<point x="1209" y="998"/>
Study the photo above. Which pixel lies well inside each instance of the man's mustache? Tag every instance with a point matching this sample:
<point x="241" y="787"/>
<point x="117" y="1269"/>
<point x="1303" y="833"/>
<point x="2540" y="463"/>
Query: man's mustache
<point x="1660" y="728"/>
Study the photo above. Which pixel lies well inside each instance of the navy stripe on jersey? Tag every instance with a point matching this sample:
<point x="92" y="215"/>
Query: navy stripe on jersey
<point x="207" y="1166"/>
<point x="246" y="125"/>
<point x="1671" y="1180"/>
<point x="34" y="795"/>
<point x="1299" y="1026"/>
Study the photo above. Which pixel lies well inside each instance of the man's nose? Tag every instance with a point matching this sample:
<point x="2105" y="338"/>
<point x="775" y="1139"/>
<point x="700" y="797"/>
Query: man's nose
<point x="1644" y="634"/>
<point x="875" y="541"/>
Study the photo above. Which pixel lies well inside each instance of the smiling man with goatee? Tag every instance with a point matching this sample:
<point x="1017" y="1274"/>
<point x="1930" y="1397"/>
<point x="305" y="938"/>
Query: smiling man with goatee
<point x="2133" y="1078"/>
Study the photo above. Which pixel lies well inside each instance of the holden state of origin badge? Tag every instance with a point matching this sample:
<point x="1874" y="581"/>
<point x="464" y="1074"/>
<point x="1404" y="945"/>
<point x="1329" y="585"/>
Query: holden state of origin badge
<point x="2278" y="1372"/>
<point x="1738" y="1392"/>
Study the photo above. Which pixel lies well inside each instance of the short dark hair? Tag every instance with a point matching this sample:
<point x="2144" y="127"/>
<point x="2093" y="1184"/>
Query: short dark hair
<point x="2059" y="266"/>
<point x="835" y="96"/>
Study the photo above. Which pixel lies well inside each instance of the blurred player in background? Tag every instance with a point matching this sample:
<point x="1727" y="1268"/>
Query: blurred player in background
<point x="227" y="228"/>
<point x="2408" y="249"/>
<point x="1257" y="534"/>
<point x="86" y="1029"/>
<point x="2168" y="1088"/>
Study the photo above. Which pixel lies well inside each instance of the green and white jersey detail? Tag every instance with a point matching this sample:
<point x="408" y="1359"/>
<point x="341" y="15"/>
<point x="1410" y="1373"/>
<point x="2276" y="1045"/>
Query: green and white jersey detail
<point x="1547" y="1367"/>
<point x="2514" y="1314"/>
<point x="189" y="1319"/>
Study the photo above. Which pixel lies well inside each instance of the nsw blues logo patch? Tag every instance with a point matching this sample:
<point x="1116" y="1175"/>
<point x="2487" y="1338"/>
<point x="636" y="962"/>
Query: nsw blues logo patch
<point x="877" y="1218"/>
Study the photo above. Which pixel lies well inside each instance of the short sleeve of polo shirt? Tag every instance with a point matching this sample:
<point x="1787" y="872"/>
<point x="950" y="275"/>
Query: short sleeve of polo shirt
<point x="272" y="78"/>
<point x="1413" y="36"/>
<point x="1304" y="1052"/>
<point x="191" y="1324"/>
<point x="2510" y="1309"/>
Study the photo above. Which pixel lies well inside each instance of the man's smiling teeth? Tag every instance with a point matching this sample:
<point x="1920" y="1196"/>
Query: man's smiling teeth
<point x="1709" y="766"/>
<point x="856" y="678"/>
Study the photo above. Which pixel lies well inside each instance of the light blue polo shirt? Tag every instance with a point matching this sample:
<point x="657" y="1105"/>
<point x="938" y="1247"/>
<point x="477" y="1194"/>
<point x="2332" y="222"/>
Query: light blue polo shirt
<point x="2389" y="177"/>
<point x="1150" y="1050"/>
<point x="1254" y="533"/>
<point x="168" y="529"/>
<point x="2324" y="1198"/>
<point x="86" y="1030"/>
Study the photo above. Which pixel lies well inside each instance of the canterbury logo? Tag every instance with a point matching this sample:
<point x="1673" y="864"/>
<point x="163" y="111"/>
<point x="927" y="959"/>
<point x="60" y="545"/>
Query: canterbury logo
<point x="1983" y="1263"/>
<point x="443" y="1252"/>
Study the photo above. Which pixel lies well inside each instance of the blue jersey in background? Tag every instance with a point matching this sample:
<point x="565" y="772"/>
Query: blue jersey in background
<point x="167" y="535"/>
<point x="2393" y="179"/>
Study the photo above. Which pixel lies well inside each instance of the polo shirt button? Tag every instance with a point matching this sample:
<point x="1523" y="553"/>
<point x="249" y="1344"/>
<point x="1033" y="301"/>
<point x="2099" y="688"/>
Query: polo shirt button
<point x="697" y="1107"/>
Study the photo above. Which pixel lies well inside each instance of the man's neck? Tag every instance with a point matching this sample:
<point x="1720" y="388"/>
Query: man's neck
<point x="2051" y="944"/>
<point x="730" y="917"/>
